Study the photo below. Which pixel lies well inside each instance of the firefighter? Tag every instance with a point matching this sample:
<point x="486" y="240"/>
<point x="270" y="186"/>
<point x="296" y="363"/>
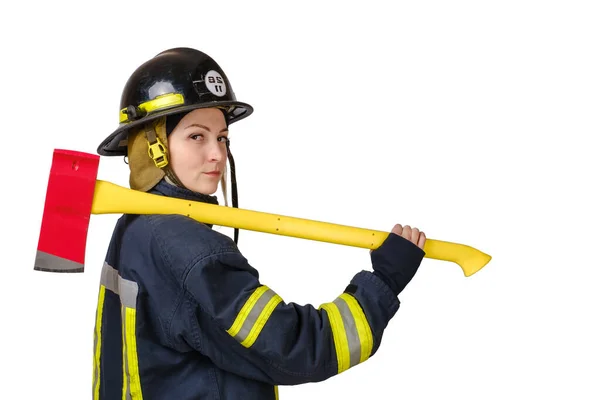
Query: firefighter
<point x="181" y="312"/>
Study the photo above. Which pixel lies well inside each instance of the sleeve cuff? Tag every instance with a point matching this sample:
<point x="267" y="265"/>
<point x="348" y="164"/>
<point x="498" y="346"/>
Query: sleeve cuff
<point x="369" y="285"/>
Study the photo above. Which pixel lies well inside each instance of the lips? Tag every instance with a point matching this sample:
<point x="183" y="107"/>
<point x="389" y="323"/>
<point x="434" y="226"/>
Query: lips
<point x="213" y="173"/>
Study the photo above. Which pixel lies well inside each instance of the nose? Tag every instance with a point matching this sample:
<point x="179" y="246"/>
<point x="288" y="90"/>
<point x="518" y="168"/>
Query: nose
<point x="216" y="151"/>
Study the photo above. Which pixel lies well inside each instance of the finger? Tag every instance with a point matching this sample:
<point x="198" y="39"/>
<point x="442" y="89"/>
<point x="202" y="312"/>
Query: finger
<point x="415" y="235"/>
<point x="422" y="240"/>
<point x="406" y="232"/>
<point x="397" y="229"/>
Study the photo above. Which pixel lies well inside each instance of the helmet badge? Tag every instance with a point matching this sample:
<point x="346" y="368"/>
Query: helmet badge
<point x="214" y="82"/>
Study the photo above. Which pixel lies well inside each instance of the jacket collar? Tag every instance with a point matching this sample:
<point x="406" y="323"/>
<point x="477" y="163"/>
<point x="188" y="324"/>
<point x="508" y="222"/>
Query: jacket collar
<point x="166" y="189"/>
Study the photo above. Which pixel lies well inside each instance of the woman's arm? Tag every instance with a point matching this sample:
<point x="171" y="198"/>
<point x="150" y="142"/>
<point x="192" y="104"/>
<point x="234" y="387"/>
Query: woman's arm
<point x="246" y="328"/>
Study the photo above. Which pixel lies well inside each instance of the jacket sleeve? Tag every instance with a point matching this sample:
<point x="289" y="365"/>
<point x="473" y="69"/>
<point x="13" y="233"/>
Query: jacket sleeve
<point x="245" y="327"/>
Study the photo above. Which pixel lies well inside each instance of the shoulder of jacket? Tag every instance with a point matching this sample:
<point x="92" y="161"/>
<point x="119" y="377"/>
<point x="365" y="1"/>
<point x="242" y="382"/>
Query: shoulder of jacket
<point x="183" y="241"/>
<point x="180" y="224"/>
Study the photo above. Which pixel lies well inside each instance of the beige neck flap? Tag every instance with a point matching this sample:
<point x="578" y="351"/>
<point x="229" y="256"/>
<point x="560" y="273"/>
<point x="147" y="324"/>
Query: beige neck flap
<point x="144" y="174"/>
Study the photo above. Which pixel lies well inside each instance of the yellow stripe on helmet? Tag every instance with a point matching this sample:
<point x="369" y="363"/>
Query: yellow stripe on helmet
<point x="158" y="103"/>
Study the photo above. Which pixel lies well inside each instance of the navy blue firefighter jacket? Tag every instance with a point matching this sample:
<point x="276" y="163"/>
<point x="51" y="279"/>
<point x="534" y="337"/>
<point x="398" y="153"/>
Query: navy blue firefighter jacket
<point x="182" y="315"/>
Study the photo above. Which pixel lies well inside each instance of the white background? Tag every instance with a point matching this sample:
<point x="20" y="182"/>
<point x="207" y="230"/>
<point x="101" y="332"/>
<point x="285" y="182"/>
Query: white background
<point x="472" y="120"/>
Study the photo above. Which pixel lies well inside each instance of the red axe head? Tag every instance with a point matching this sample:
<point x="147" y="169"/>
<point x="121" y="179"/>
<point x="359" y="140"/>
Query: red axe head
<point x="67" y="210"/>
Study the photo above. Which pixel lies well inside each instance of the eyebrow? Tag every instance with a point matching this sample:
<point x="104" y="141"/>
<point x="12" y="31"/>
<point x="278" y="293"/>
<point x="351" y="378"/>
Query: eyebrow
<point x="205" y="127"/>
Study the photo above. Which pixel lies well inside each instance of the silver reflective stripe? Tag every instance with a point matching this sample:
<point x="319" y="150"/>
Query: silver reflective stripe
<point x="110" y="278"/>
<point x="96" y="370"/>
<point x="127" y="291"/>
<point x="351" y="331"/>
<point x="254" y="314"/>
<point x="51" y="263"/>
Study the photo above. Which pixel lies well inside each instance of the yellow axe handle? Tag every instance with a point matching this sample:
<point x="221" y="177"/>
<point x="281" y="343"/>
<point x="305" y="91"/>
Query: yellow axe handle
<point x="110" y="198"/>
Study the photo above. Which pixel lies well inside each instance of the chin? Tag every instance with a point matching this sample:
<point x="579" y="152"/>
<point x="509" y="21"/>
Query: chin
<point x="205" y="189"/>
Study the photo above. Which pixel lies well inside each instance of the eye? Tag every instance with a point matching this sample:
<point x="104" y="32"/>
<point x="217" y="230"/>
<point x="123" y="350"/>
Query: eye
<point x="222" y="139"/>
<point x="196" y="136"/>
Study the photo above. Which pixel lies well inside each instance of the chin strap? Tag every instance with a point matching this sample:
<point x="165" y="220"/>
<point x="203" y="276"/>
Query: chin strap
<point x="158" y="152"/>
<point x="234" y="194"/>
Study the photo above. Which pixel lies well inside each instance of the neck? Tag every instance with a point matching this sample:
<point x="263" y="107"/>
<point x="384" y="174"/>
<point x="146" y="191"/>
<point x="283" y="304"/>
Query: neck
<point x="166" y="187"/>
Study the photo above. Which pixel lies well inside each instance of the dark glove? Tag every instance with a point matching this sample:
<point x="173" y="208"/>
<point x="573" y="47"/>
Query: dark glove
<point x="396" y="261"/>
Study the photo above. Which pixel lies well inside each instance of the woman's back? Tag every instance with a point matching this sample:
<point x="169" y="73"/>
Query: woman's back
<point x="147" y="321"/>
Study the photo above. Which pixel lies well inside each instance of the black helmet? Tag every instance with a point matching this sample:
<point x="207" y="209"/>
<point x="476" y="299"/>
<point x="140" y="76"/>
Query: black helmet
<point x="174" y="81"/>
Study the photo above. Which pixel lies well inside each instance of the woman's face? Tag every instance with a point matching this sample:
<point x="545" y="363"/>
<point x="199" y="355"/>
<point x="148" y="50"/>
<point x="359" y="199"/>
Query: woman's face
<point x="198" y="151"/>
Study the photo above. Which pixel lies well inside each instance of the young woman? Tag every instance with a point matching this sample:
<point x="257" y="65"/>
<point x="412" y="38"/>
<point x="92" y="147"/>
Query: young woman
<point x="181" y="313"/>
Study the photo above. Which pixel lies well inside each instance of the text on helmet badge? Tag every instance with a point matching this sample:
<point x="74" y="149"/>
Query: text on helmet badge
<point x="215" y="83"/>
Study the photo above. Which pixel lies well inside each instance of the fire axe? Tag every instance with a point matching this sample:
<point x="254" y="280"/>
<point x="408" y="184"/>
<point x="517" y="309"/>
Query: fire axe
<point x="74" y="193"/>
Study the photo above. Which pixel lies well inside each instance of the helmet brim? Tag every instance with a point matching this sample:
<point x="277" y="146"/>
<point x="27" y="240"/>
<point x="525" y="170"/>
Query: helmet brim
<point x="116" y="143"/>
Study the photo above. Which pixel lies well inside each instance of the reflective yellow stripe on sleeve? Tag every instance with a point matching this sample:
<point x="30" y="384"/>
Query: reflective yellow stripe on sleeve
<point x="365" y="336"/>
<point x="352" y="335"/>
<point x="254" y="315"/>
<point x="339" y="336"/>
